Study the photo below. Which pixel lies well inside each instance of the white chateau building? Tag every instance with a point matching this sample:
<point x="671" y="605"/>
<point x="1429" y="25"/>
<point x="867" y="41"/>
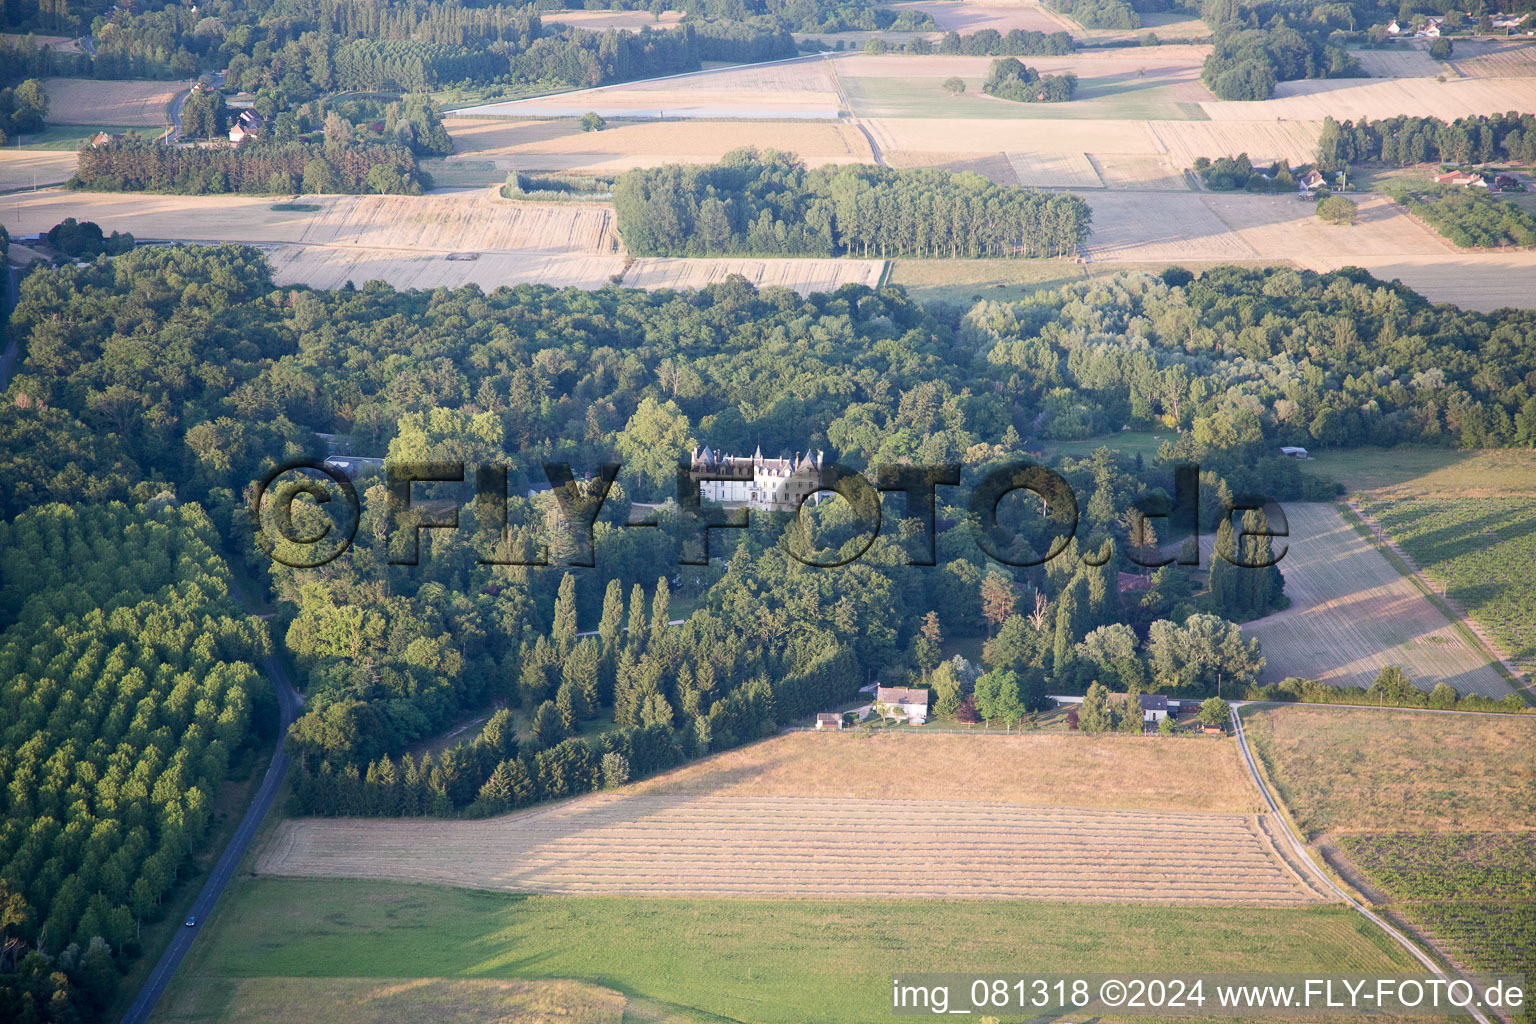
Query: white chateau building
<point x="772" y="485"/>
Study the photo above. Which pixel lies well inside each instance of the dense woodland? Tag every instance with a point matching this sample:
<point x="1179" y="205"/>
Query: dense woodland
<point x="169" y="377"/>
<point x="1010" y="79"/>
<point x="769" y="204"/>
<point x="1406" y="140"/>
<point x="259" y="168"/>
<point x="129" y="691"/>
<point x="1260" y="44"/>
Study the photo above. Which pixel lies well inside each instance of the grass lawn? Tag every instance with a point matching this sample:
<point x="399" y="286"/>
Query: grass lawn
<point x="70" y="136"/>
<point x="1109" y="97"/>
<point x="760" y="961"/>
<point x="1126" y="442"/>
<point x="1408" y="471"/>
<point x="966" y="282"/>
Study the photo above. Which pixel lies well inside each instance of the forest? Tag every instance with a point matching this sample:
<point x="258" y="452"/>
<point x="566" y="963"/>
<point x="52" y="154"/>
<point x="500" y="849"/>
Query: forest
<point x="769" y="204"/>
<point x="988" y="42"/>
<point x="1257" y="45"/>
<point x="261" y="168"/>
<point x="1009" y="79"/>
<point x="129" y="693"/>
<point x="168" y="378"/>
<point x="1405" y="140"/>
<point x="1098" y="13"/>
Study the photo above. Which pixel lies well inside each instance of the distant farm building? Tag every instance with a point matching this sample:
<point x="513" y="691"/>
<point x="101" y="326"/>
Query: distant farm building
<point x="1154" y="707"/>
<point x="1461" y="179"/>
<point x="908" y="702"/>
<point x="829" y="721"/>
<point x="1293" y="452"/>
<point x="248" y="124"/>
<point x="1311" y="181"/>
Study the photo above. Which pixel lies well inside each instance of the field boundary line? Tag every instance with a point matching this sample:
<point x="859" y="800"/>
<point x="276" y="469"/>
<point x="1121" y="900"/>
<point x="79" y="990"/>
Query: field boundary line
<point x="1400" y="560"/>
<point x="1301" y="850"/>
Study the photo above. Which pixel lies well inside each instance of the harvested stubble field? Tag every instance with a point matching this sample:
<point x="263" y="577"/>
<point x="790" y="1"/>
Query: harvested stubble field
<point x="793" y="847"/>
<point x="1003" y="17"/>
<point x="470" y="222"/>
<point x="1412" y="62"/>
<point x="1354" y="98"/>
<point x="1289" y="228"/>
<point x="23" y="168"/>
<point x="1143" y="227"/>
<point x="796" y="88"/>
<point x="1484" y="282"/>
<point x="190" y="218"/>
<point x="1342" y="769"/>
<point x="1055" y="170"/>
<point x="1118" y="170"/>
<point x="1031" y="769"/>
<point x="802" y="275"/>
<point x="791" y="817"/>
<point x="1495" y="60"/>
<point x="563" y="146"/>
<point x="88" y="101"/>
<point x="334" y="266"/>
<point x="995" y="167"/>
<point x="754" y="961"/>
<point x="1263" y="141"/>
<point x="939" y="135"/>
<point x="1352" y="614"/>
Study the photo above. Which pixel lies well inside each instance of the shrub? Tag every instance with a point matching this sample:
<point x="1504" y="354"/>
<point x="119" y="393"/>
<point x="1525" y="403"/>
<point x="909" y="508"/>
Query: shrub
<point x="1336" y="210"/>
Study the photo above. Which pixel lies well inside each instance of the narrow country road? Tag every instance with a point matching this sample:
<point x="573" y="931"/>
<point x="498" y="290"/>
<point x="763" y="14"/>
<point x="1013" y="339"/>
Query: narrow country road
<point x="288" y="702"/>
<point x="1301" y="853"/>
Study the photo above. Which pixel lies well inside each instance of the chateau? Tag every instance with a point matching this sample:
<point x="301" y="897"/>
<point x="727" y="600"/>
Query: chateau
<point x="773" y="485"/>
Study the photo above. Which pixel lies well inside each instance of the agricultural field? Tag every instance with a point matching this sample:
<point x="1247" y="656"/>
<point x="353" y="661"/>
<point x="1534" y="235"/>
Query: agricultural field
<point x="1170" y="822"/>
<point x="1495" y="59"/>
<point x="180" y="218"/>
<point x="92" y="102"/>
<point x="563" y="146"/>
<point x="1354" y="98"/>
<point x="1430" y="813"/>
<point x="1072" y="771"/>
<point x="1286" y="227"/>
<point x="23" y="168"/>
<point x="1055" y="170"/>
<point x="1263" y="141"/>
<point x="397" y="1001"/>
<point x="966" y="18"/>
<point x="802" y="87"/>
<point x="699" y="959"/>
<point x="473" y="222"/>
<point x="734" y="845"/>
<point x="1484" y="282"/>
<point x="1409" y="471"/>
<point x="1144" y="227"/>
<point x="1403" y="62"/>
<point x="1473" y="893"/>
<point x="1348" y="770"/>
<point x="1352" y="614"/>
<point x="1478" y="551"/>
<point x="803" y="275"/>
<point x="335" y="266"/>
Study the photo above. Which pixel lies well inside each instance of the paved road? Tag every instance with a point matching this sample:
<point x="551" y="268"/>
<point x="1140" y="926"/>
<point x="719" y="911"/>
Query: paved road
<point x="289" y="703"/>
<point x="1318" y="873"/>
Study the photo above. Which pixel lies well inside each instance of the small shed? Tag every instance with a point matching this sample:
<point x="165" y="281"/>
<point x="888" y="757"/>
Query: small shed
<point x="1294" y="452"/>
<point x="829" y="721"/>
